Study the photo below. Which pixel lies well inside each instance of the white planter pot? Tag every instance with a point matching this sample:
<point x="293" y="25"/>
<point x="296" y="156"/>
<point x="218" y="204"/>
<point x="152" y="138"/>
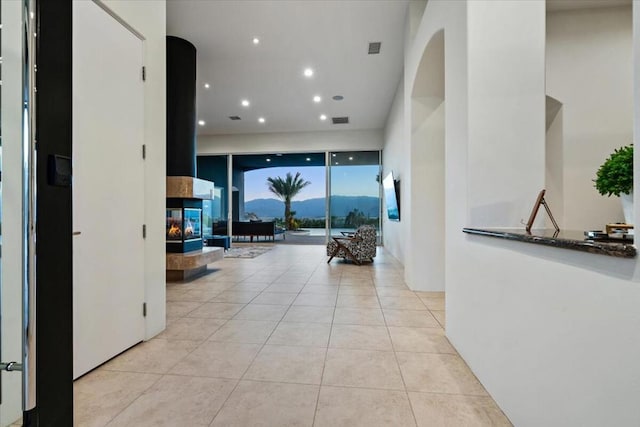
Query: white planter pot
<point x="627" y="207"/>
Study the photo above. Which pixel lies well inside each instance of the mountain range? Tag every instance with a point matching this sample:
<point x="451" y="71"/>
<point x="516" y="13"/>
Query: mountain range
<point x="315" y="208"/>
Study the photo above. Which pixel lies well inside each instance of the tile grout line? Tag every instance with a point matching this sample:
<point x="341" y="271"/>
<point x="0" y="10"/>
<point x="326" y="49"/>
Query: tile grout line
<point x="241" y="376"/>
<point x="395" y="356"/>
<point x="341" y="272"/>
<point x="326" y="352"/>
<point x="163" y="375"/>
<point x="250" y="363"/>
<point x="134" y="400"/>
<point x="187" y="355"/>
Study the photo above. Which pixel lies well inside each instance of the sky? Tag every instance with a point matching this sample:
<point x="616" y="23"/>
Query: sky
<point x="346" y="181"/>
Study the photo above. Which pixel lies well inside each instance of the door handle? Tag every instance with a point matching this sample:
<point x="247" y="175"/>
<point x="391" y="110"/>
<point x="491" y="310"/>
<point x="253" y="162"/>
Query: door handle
<point x="10" y="366"/>
<point x="77" y="233"/>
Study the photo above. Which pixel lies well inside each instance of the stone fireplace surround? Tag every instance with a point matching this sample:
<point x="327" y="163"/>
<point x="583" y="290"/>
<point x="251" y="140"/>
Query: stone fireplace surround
<point x="182" y="266"/>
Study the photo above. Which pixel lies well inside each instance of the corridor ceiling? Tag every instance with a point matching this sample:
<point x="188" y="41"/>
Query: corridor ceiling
<point x="330" y="37"/>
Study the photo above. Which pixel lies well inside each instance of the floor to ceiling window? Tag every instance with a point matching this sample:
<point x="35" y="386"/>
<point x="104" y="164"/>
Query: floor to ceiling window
<point x="354" y="190"/>
<point x="286" y="188"/>
<point x="332" y="192"/>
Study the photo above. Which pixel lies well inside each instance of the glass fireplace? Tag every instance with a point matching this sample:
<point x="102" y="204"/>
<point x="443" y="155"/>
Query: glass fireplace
<point x="184" y="228"/>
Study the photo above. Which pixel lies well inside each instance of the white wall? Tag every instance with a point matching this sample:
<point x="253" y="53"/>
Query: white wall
<point x="425" y="261"/>
<point x="397" y="152"/>
<point x="11" y="281"/>
<point x="291" y="142"/>
<point x="589" y="70"/>
<point x="149" y="19"/>
<point x="394" y="158"/>
<point x="551" y="333"/>
<point x="427" y="254"/>
<point x="414" y="17"/>
<point x="506" y="111"/>
<point x="396" y="155"/>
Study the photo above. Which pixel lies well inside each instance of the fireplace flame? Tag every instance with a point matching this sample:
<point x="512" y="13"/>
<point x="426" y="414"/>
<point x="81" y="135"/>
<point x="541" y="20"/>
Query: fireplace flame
<point x="188" y="229"/>
<point x="174" y="231"/>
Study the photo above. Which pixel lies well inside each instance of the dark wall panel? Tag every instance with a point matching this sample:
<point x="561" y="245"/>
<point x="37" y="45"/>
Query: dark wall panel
<point x="213" y="168"/>
<point x="181" y="107"/>
<point x="54" y="269"/>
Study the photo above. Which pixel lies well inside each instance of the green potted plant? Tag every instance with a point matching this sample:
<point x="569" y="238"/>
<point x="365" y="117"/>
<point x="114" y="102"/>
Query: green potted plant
<point x="615" y="177"/>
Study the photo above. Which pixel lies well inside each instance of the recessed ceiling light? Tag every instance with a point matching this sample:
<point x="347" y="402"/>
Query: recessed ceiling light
<point x="261" y="119"/>
<point x="337" y="97"/>
<point x="317" y="98"/>
<point x="245" y="103"/>
<point x="201" y="122"/>
<point x="350" y="158"/>
<point x="323" y="117"/>
<point x="308" y="72"/>
<point x="308" y="159"/>
<point x="207" y="85"/>
<point x="256" y="40"/>
<point x="337" y="163"/>
<point x="268" y="160"/>
<point x="334" y="154"/>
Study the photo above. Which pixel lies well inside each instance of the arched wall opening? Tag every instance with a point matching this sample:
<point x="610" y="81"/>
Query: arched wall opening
<point x="426" y="266"/>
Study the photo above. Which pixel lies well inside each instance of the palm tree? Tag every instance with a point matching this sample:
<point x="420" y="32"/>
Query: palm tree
<point x="286" y="189"/>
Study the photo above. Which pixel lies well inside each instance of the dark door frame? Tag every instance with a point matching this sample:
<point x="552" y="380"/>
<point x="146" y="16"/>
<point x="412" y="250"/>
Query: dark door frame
<point x="54" y="264"/>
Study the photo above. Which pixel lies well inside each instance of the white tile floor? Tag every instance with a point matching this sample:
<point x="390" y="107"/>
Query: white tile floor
<point x="286" y="340"/>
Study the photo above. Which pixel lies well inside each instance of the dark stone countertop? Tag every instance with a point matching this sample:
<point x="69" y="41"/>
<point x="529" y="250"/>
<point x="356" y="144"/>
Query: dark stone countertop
<point x="566" y="239"/>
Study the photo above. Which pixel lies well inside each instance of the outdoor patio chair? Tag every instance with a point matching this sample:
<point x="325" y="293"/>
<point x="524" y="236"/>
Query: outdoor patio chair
<point x="357" y="248"/>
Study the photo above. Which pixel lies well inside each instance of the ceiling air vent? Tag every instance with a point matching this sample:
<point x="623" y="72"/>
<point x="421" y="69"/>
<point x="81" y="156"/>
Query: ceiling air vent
<point x="234" y="117"/>
<point x="340" y="120"/>
<point x="374" y="48"/>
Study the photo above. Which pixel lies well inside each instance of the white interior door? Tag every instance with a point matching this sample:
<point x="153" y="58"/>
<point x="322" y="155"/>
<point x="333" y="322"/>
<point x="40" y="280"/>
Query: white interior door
<point x="108" y="187"/>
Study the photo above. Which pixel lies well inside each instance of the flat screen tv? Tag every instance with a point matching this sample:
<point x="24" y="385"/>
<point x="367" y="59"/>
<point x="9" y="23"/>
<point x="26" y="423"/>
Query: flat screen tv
<point x="391" y="197"/>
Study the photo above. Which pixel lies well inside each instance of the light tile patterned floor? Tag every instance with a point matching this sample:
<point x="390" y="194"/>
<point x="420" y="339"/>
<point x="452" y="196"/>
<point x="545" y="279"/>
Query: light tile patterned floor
<point x="286" y="339"/>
